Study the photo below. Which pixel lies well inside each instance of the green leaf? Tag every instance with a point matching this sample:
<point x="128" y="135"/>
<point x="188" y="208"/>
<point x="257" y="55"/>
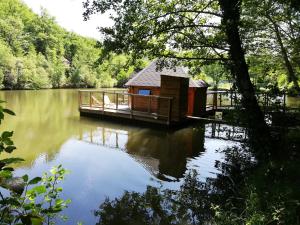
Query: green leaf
<point x="39" y="189"/>
<point x="8" y="168"/>
<point x="37" y="221"/>
<point x="7" y="134"/>
<point x="8" y="142"/>
<point x="10" y="149"/>
<point x="5" y="174"/>
<point x="1" y="115"/>
<point x="8" y="111"/>
<point x="25" y="178"/>
<point x="11" y="160"/>
<point x="35" y="180"/>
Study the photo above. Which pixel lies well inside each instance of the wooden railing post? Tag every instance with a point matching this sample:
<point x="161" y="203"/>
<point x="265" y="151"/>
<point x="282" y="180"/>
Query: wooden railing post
<point x="117" y="101"/>
<point x="215" y="100"/>
<point x="79" y="99"/>
<point x="103" y="104"/>
<point x="90" y="99"/>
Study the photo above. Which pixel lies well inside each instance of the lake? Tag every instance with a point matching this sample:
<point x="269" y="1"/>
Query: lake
<point x="105" y="158"/>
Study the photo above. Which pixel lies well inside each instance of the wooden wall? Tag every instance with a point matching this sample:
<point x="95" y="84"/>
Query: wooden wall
<point x="187" y="101"/>
<point x="143" y="103"/>
<point x="176" y="87"/>
<point x="200" y="102"/>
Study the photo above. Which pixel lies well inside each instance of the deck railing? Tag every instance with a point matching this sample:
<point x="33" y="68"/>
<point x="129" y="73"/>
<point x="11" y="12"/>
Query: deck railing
<point x="154" y="106"/>
<point x="220" y="99"/>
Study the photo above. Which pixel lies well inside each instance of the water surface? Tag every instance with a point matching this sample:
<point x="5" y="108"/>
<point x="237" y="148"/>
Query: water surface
<point x="106" y="158"/>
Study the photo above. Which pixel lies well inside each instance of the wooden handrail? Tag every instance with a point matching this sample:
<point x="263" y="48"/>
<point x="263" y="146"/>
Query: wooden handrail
<point x="129" y="94"/>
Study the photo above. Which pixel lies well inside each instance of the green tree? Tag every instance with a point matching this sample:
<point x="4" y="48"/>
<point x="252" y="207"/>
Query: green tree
<point x="274" y="28"/>
<point x="216" y="72"/>
<point x="201" y="31"/>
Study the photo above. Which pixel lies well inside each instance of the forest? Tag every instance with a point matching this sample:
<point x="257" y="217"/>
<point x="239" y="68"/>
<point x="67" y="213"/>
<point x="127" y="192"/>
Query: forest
<point x="36" y="53"/>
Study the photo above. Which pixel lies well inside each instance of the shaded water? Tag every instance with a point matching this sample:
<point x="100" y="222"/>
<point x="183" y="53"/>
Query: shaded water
<point x="106" y="158"/>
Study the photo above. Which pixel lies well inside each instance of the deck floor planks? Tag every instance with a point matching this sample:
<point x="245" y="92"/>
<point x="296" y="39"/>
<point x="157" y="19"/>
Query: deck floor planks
<point x="124" y="112"/>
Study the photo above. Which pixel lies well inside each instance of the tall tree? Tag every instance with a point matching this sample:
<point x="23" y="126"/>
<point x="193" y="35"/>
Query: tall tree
<point x="275" y="28"/>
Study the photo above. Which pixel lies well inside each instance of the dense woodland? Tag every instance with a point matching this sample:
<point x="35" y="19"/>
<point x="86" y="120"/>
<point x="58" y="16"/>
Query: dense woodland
<point x="35" y="52"/>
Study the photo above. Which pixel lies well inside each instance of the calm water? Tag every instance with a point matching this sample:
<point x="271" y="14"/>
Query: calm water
<point x="106" y="158"/>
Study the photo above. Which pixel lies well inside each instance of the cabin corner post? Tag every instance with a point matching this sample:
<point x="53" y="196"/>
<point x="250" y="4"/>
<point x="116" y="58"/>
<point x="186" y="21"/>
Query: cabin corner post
<point x="149" y="103"/>
<point x="131" y="106"/>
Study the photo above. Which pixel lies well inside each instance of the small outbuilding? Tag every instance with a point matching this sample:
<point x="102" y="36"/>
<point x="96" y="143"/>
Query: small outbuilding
<point x="189" y="95"/>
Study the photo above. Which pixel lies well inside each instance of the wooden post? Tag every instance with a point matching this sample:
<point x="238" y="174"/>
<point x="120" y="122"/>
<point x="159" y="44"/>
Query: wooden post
<point x="149" y="100"/>
<point x="90" y="99"/>
<point x="117" y="100"/>
<point x="220" y="99"/>
<point x="215" y="100"/>
<point x="131" y="98"/>
<point x="79" y="99"/>
<point x="170" y="111"/>
<point x="103" y="104"/>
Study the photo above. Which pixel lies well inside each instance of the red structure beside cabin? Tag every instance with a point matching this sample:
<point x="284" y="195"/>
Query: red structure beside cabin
<point x="189" y="95"/>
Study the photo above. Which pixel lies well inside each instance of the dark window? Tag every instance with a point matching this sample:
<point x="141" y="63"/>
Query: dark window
<point x="144" y="92"/>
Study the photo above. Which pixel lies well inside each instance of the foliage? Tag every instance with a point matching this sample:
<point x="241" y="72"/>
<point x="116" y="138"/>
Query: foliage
<point x="196" y="33"/>
<point x="216" y="72"/>
<point x="23" y="200"/>
<point x="37" y="53"/>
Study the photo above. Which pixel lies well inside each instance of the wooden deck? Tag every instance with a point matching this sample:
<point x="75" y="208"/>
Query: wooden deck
<point x="118" y="105"/>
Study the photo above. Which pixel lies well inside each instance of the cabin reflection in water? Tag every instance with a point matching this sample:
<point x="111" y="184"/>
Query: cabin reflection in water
<point x="163" y="153"/>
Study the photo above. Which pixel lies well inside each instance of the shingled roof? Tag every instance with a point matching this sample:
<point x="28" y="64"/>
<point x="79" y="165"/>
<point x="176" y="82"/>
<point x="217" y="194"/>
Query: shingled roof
<point x="150" y="77"/>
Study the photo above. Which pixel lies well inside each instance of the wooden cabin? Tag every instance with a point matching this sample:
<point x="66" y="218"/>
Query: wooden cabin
<point x="189" y="96"/>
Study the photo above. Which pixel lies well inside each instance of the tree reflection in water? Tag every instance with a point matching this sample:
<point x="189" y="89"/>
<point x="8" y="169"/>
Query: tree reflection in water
<point x="249" y="189"/>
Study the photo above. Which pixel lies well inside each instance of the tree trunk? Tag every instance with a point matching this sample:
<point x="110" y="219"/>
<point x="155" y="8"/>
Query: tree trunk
<point x="230" y="21"/>
<point x="291" y="73"/>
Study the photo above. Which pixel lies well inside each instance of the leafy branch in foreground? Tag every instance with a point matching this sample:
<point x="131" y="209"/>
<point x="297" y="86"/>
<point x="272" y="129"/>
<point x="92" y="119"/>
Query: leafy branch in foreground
<point x="27" y="201"/>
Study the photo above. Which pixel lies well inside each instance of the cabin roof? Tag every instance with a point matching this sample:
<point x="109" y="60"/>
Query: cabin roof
<point x="150" y="77"/>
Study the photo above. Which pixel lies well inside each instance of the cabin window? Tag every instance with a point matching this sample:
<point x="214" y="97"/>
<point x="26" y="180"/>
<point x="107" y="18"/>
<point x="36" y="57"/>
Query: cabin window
<point x="144" y="92"/>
